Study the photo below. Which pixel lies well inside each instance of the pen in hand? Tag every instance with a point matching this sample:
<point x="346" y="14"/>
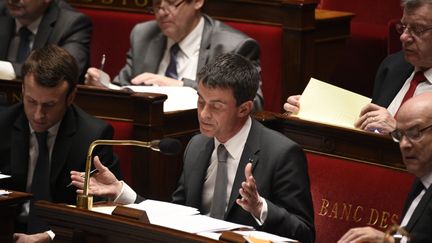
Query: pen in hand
<point x="102" y="62"/>
<point x="91" y="173"/>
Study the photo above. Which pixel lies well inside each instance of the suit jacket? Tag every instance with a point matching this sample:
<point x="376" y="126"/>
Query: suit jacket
<point x="391" y="75"/>
<point x="148" y="46"/>
<point x="420" y="224"/>
<point x="280" y="171"/>
<point x="77" y="130"/>
<point x="60" y="25"/>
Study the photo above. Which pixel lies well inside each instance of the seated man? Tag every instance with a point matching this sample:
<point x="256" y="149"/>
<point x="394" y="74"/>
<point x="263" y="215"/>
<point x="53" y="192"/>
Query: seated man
<point x="45" y="136"/>
<point x="32" y="24"/>
<point x="400" y="75"/>
<point x="413" y="132"/>
<point x="170" y="50"/>
<point x="237" y="169"/>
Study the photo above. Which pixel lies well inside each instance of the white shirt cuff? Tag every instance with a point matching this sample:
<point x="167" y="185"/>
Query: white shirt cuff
<point x="50" y="234"/>
<point x="7" y="71"/>
<point x="127" y="195"/>
<point x="264" y="212"/>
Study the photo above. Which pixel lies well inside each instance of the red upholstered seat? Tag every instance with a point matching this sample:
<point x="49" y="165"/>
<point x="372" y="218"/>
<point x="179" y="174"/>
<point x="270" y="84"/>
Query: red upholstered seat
<point x="123" y="131"/>
<point x="350" y="194"/>
<point x="270" y="41"/>
<point x="111" y="31"/>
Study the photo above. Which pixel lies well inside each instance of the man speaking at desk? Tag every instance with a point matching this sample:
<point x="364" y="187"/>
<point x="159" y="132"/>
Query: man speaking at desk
<point x="236" y="169"/>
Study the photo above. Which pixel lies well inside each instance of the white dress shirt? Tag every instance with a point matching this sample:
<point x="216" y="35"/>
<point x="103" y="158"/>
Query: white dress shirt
<point x="422" y="87"/>
<point x="187" y="57"/>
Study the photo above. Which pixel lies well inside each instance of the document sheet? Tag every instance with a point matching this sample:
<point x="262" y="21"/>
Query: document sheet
<point x="325" y="103"/>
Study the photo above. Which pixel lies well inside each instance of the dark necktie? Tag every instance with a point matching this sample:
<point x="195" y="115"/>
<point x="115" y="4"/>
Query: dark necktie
<point x="171" y="70"/>
<point x="40" y="186"/>
<point x="418" y="78"/>
<point x="24" y="44"/>
<point x="218" y="205"/>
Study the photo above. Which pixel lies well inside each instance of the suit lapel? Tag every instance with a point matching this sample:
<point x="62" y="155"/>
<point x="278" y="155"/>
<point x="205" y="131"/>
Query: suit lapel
<point x="250" y="153"/>
<point x="155" y="52"/>
<point x="205" y="42"/>
<point x="46" y="26"/>
<point x="8" y="29"/>
<point x="20" y="152"/>
<point x="419" y="210"/>
<point x="197" y="181"/>
<point x="62" y="144"/>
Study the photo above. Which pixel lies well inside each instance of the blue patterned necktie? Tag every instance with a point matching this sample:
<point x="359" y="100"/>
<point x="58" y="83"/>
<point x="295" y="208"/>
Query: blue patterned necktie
<point x="171" y="70"/>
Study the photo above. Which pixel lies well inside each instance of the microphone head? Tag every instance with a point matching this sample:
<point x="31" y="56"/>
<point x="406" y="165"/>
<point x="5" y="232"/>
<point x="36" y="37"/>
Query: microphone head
<point x="169" y="146"/>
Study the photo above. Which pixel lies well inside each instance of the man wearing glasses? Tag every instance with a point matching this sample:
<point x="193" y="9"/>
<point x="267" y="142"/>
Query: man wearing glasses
<point x="414" y="134"/>
<point x="171" y="50"/>
<point x="400" y="75"/>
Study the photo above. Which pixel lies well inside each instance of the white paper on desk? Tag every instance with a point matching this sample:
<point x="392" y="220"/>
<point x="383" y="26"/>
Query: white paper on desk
<point x="179" y="98"/>
<point x="328" y="104"/>
<point x="3" y="176"/>
<point x="196" y="223"/>
<point x="264" y="236"/>
<point x="4" y="192"/>
<point x="155" y="209"/>
<point x="7" y="71"/>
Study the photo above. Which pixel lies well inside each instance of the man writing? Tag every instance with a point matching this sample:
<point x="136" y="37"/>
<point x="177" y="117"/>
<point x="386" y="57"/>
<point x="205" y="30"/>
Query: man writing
<point x="170" y="50"/>
<point x="236" y="169"/>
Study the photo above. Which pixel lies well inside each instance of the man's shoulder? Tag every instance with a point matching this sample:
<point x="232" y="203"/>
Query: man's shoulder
<point x="220" y="28"/>
<point x="9" y="114"/>
<point x="87" y="121"/>
<point x="270" y="138"/>
<point x="395" y="61"/>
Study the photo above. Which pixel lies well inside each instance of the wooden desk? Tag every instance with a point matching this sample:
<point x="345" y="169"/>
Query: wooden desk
<point x="10" y="206"/>
<point x="339" y="142"/>
<point x="77" y="225"/>
<point x="153" y="175"/>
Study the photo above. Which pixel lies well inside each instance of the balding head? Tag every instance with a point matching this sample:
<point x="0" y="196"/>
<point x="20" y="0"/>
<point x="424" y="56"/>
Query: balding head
<point x="415" y="119"/>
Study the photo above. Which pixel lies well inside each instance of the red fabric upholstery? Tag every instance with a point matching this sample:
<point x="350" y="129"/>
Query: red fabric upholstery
<point x="111" y="31"/>
<point x="394" y="44"/>
<point x="270" y="41"/>
<point x="123" y="131"/>
<point x="350" y="194"/>
<point x="367" y="46"/>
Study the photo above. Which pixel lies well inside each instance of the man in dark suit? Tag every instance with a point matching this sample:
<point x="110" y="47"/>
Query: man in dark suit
<point x="42" y="166"/>
<point x="236" y="169"/>
<point x="199" y="38"/>
<point x="32" y="24"/>
<point x="396" y="74"/>
<point x="413" y="132"/>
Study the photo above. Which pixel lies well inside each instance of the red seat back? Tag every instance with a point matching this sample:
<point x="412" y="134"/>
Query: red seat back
<point x="270" y="41"/>
<point x="111" y="32"/>
<point x="349" y="194"/>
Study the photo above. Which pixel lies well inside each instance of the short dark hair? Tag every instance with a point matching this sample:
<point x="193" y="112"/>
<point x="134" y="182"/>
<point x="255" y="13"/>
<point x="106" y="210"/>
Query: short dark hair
<point x="232" y="71"/>
<point x="50" y="65"/>
<point x="413" y="4"/>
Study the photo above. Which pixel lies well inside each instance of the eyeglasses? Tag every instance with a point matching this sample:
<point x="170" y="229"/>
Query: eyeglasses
<point x="414" y="30"/>
<point x="170" y="6"/>
<point x="412" y="134"/>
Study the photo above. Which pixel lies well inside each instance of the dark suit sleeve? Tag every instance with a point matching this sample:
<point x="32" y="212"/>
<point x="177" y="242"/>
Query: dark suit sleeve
<point x="290" y="210"/>
<point x="106" y="154"/>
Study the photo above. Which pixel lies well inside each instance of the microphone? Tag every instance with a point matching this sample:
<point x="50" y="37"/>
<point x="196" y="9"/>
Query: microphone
<point x="167" y="146"/>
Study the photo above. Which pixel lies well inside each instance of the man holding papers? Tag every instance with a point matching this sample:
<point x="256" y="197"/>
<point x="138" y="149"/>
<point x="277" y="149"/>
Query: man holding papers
<point x="170" y="50"/>
<point x="237" y="169"/>
<point x="400" y="75"/>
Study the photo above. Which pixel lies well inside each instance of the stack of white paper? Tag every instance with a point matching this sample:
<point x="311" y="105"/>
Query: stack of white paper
<point x="3" y="176"/>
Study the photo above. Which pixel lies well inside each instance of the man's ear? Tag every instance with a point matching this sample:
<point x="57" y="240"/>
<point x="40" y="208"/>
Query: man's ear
<point x="246" y="108"/>
<point x="71" y="96"/>
<point x="198" y="4"/>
